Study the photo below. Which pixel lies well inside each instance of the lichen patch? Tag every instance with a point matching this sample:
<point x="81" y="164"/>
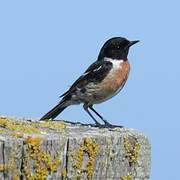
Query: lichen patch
<point x="85" y="157"/>
<point x="41" y="161"/>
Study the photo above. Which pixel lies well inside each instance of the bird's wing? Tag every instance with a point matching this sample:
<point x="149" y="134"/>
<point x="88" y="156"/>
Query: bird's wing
<point x="96" y="72"/>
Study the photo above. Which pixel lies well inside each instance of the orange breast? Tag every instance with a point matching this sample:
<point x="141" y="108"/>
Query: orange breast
<point x="116" y="78"/>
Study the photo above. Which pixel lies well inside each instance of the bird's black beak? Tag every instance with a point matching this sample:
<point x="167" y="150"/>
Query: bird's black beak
<point x="132" y="43"/>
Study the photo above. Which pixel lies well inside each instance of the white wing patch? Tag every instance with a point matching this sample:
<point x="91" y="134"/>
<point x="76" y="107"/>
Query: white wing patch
<point x="93" y="70"/>
<point x="85" y="73"/>
<point x="97" y="68"/>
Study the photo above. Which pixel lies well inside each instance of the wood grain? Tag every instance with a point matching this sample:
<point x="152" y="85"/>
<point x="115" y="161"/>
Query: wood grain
<point x="36" y="150"/>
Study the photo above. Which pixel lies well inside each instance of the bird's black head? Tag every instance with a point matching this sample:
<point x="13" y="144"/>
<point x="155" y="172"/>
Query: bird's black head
<point x="116" y="48"/>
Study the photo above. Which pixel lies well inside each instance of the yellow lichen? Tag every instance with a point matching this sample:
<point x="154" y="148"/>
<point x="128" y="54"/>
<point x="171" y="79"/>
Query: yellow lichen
<point x="55" y="125"/>
<point x="17" y="134"/>
<point x="42" y="161"/>
<point x="128" y="177"/>
<point x="3" y="131"/>
<point x="2" y="168"/>
<point x="34" y="141"/>
<point x="7" y="167"/>
<point x="15" y="178"/>
<point x="132" y="149"/>
<point x="64" y="173"/>
<point x="37" y="163"/>
<point x="88" y="147"/>
<point x="17" y="128"/>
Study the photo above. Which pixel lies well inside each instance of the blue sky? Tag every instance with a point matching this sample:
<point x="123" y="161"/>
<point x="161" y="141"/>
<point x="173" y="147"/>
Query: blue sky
<point x="46" y="45"/>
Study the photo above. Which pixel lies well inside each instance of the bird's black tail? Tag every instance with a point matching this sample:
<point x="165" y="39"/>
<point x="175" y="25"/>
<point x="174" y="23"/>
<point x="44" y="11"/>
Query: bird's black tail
<point x="55" y="111"/>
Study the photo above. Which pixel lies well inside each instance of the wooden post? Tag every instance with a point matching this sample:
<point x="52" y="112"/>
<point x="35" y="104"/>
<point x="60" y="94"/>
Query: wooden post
<point x="36" y="150"/>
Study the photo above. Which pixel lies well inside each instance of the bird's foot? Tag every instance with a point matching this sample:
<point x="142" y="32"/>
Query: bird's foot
<point x="106" y="125"/>
<point x="97" y="124"/>
<point x="109" y="125"/>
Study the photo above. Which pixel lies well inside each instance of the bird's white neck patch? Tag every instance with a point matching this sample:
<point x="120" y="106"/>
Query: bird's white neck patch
<point x="116" y="62"/>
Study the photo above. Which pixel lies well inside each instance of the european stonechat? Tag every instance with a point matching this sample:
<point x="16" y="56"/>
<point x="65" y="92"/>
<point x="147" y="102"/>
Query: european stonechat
<point x="101" y="81"/>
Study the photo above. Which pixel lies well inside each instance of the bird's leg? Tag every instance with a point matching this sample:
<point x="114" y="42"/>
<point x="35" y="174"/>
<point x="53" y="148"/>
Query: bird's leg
<point x="106" y="122"/>
<point x="96" y="113"/>
<point x="87" y="110"/>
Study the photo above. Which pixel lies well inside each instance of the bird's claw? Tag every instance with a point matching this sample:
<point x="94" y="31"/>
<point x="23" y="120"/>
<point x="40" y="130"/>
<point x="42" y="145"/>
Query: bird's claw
<point x="106" y="125"/>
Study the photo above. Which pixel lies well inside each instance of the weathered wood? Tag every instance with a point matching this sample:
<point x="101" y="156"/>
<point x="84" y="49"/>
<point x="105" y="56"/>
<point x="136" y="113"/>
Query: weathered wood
<point x="59" y="150"/>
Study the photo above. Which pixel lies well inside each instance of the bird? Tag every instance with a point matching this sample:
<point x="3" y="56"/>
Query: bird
<point x="102" y="80"/>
